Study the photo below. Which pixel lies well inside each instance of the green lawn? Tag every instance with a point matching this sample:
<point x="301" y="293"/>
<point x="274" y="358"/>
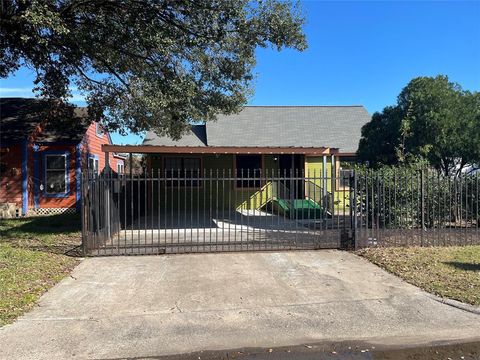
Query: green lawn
<point x="451" y="272"/>
<point x="35" y="253"/>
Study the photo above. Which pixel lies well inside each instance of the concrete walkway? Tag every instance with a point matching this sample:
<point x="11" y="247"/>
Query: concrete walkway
<point x="122" y="307"/>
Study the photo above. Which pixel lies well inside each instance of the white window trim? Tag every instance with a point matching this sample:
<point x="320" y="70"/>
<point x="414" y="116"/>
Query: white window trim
<point x="97" y="128"/>
<point x="120" y="167"/>
<point x="66" y="175"/>
<point x="95" y="161"/>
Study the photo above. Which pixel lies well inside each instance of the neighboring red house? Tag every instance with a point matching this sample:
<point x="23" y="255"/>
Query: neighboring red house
<point x="41" y="160"/>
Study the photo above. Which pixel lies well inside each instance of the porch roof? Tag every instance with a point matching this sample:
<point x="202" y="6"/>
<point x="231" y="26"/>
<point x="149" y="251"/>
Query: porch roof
<point x="152" y="149"/>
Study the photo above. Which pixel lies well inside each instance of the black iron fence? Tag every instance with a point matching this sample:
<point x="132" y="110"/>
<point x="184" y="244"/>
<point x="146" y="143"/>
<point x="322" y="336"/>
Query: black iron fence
<point x="415" y="207"/>
<point x="220" y="210"/>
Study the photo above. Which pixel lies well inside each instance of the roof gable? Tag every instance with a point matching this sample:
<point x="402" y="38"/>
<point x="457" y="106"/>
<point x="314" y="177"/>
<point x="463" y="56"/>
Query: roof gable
<point x="196" y="137"/>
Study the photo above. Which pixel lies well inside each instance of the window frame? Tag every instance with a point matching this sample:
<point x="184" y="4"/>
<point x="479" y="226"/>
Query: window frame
<point x="238" y="177"/>
<point x="98" y="131"/>
<point x="173" y="183"/>
<point x="95" y="161"/>
<point x="66" y="155"/>
<point x="121" y="164"/>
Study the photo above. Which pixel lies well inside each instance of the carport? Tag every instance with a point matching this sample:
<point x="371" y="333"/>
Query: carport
<point x="203" y="210"/>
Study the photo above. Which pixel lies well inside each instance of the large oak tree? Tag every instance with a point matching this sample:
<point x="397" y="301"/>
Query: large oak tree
<point x="434" y="119"/>
<point x="146" y="64"/>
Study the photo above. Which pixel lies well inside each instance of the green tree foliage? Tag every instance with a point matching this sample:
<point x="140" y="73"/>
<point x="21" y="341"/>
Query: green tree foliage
<point x="380" y="137"/>
<point x="404" y="195"/>
<point x="434" y="119"/>
<point x="146" y="64"/>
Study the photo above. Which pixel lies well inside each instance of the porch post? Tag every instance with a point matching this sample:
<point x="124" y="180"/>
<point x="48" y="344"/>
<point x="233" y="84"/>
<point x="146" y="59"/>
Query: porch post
<point x="292" y="185"/>
<point x="107" y="161"/>
<point x="334" y="173"/>
<point x="131" y="165"/>
<point x="324" y="175"/>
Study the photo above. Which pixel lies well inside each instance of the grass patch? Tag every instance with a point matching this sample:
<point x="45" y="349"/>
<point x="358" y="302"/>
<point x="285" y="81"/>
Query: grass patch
<point x="35" y="253"/>
<point x="55" y="233"/>
<point x="452" y="272"/>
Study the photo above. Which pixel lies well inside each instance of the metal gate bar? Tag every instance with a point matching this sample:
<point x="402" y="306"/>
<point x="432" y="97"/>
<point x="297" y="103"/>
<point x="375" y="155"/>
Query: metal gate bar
<point x="183" y="211"/>
<point x="191" y="211"/>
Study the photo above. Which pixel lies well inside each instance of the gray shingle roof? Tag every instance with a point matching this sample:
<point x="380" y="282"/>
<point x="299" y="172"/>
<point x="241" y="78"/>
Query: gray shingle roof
<point x="20" y="117"/>
<point x="279" y="126"/>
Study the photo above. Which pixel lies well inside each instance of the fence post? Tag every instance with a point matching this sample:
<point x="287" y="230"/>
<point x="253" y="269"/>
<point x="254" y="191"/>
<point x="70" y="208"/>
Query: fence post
<point x="353" y="207"/>
<point x="379" y="208"/>
<point x="292" y="190"/>
<point x="83" y="211"/>
<point x="422" y="200"/>
<point x="106" y="179"/>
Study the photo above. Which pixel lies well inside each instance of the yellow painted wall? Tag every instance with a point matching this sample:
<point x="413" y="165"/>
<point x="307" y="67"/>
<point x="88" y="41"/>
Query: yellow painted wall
<point x="225" y="193"/>
<point x="314" y="171"/>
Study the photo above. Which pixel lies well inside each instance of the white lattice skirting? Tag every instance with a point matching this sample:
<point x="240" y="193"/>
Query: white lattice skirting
<point x="51" y="211"/>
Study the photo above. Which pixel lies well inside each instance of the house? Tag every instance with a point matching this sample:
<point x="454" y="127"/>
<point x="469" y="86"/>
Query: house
<point x="261" y="143"/>
<point x="41" y="160"/>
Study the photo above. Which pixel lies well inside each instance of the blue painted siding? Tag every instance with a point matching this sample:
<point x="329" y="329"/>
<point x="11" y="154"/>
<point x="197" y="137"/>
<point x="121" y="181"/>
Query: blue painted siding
<point x="24" y="177"/>
<point x="78" y="175"/>
<point x="36" y="178"/>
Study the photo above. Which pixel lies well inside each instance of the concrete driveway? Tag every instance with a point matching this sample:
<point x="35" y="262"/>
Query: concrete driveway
<point x="122" y="307"/>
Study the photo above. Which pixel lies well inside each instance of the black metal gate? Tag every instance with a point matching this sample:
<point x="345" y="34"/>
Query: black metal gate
<point x="215" y="210"/>
<point x="189" y="211"/>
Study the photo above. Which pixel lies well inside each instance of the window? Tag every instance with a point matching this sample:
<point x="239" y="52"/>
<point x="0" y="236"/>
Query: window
<point x="120" y="168"/>
<point x="248" y="167"/>
<point x="344" y="177"/>
<point x="56" y="174"/>
<point x="186" y="169"/>
<point x="93" y="164"/>
<point x="98" y="130"/>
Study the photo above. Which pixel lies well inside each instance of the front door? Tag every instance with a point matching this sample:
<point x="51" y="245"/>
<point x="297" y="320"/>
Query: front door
<point x="293" y="180"/>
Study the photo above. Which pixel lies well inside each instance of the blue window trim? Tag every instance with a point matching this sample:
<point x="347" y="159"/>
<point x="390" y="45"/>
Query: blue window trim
<point x="78" y="175"/>
<point x="24" y="177"/>
<point x="67" y="172"/>
<point x="36" y="177"/>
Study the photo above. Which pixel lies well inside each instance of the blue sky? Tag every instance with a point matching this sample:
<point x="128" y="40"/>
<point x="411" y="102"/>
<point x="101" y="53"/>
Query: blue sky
<point x="359" y="53"/>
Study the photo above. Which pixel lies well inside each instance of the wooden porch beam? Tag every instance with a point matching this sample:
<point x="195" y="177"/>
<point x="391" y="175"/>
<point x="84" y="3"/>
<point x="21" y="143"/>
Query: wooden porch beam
<point x="150" y="149"/>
